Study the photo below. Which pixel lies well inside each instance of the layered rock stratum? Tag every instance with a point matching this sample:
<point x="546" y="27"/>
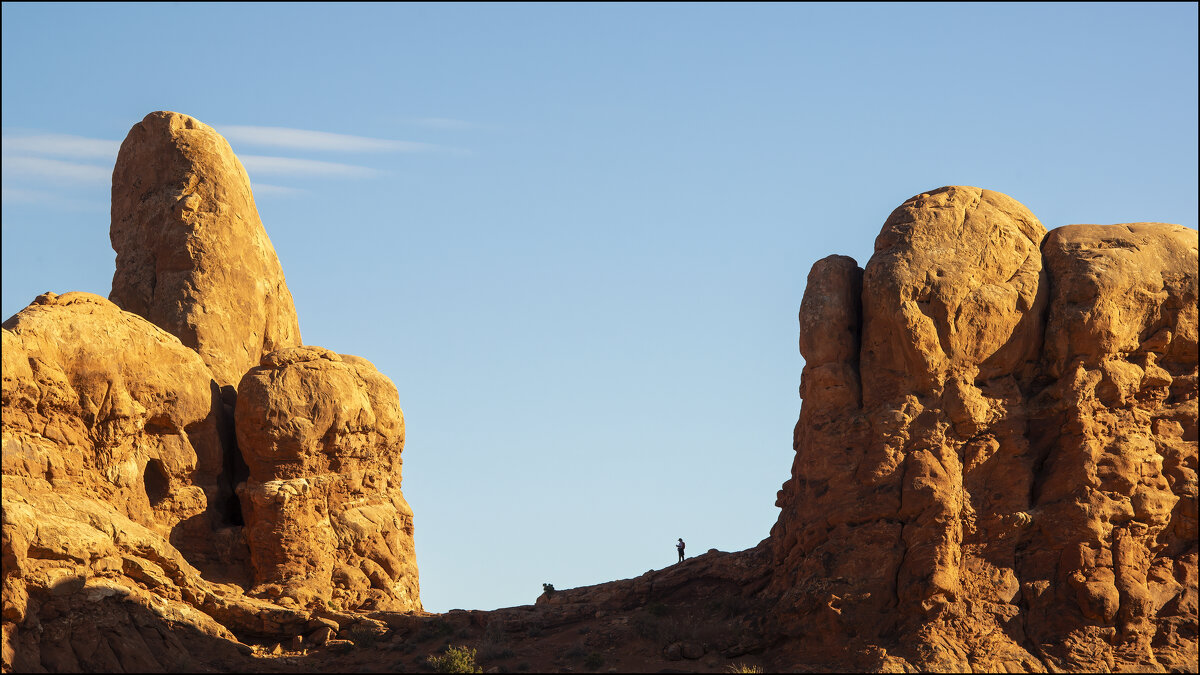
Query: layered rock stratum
<point x="995" y="464"/>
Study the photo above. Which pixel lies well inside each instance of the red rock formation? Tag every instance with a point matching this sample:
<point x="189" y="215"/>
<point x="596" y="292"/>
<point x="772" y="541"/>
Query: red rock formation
<point x="322" y="434"/>
<point x="1109" y="572"/>
<point x="992" y="503"/>
<point x="123" y="539"/>
<point x="995" y="462"/>
<point x="110" y="460"/>
<point x="192" y="254"/>
<point x="101" y="403"/>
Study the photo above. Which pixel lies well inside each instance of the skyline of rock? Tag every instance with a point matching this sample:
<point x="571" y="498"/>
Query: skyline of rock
<point x="995" y="458"/>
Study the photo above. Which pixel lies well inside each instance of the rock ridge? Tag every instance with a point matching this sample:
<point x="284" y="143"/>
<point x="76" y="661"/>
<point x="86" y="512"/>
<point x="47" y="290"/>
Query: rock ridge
<point x="995" y="463"/>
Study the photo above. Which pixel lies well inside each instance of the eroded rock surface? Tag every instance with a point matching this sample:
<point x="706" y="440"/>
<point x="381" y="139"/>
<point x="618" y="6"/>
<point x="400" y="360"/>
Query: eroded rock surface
<point x="192" y="254"/>
<point x="1015" y="488"/>
<point x="322" y="434"/>
<point x="111" y="468"/>
<point x="995" y="469"/>
<point x="124" y="546"/>
<point x="100" y="402"/>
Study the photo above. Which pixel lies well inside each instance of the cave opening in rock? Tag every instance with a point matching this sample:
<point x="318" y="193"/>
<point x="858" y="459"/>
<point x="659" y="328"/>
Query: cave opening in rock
<point x="158" y="485"/>
<point x="234" y="472"/>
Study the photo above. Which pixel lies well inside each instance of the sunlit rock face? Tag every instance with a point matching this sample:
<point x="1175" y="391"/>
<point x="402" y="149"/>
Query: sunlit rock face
<point x="322" y="434"/>
<point x="112" y="474"/>
<point x="103" y="404"/>
<point x="996" y="456"/>
<point x="192" y="254"/>
<point x="136" y="535"/>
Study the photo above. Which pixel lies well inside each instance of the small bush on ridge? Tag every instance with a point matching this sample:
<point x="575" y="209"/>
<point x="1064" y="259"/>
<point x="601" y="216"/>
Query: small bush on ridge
<point x="455" y="660"/>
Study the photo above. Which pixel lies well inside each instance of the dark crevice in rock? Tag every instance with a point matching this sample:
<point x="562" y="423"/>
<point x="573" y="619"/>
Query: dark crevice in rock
<point x="158" y="485"/>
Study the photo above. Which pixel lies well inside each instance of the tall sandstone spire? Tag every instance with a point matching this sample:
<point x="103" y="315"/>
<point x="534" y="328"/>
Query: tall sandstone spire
<point x="192" y="254"/>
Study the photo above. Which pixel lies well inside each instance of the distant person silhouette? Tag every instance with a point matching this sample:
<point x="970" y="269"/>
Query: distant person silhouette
<point x="679" y="547"/>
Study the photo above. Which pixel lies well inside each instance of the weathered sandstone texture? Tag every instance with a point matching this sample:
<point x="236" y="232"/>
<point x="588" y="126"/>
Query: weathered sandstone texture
<point x="103" y="404"/>
<point x="995" y="467"/>
<point x="322" y="434"/>
<point x="996" y="456"/>
<point x="111" y="461"/>
<point x="192" y="254"/>
<point x="125" y="494"/>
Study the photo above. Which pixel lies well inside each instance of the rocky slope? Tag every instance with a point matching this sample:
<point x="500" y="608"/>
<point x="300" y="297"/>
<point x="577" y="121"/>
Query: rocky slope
<point x="995" y="464"/>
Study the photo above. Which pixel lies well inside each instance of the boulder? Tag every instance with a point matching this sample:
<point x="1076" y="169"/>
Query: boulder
<point x="953" y="290"/>
<point x="322" y="434"/>
<point x="192" y="254"/>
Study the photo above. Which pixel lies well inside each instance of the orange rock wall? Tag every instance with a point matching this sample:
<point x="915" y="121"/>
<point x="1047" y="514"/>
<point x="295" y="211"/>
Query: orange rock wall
<point x="996" y="462"/>
<point x="133" y="524"/>
<point x="322" y="434"/>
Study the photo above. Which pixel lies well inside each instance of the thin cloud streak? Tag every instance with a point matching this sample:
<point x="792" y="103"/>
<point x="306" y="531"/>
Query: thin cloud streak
<point x="42" y="198"/>
<point x="292" y="166"/>
<point x="303" y="139"/>
<point x="268" y="190"/>
<point x="24" y="167"/>
<point x="62" y="145"/>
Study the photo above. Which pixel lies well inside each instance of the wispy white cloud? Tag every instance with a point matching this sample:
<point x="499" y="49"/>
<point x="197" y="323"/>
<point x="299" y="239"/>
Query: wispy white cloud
<point x="293" y="166"/>
<point x="14" y="195"/>
<point x="267" y="189"/>
<point x="25" y="196"/>
<point x="304" y="139"/>
<point x="40" y="167"/>
<point x="61" y="145"/>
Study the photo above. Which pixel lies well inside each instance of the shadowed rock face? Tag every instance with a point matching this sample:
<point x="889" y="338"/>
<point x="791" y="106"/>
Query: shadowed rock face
<point x="1016" y="485"/>
<point x="322" y="434"/>
<point x="192" y="254"/>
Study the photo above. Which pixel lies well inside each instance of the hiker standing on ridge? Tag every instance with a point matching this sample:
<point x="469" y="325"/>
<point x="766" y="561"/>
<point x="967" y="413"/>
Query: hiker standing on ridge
<point x="679" y="547"/>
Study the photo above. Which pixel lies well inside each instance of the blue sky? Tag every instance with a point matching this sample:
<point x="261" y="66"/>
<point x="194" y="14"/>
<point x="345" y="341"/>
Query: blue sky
<point x="576" y="236"/>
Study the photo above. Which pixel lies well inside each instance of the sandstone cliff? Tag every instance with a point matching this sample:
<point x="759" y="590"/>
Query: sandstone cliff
<point x="136" y="533"/>
<point x="324" y="513"/>
<point x="1016" y="414"/>
<point x="995" y="468"/>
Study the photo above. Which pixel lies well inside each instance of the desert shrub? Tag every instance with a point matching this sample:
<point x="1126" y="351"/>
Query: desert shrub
<point x="593" y="661"/>
<point x="657" y="609"/>
<point x="455" y="660"/>
<point x="743" y="668"/>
